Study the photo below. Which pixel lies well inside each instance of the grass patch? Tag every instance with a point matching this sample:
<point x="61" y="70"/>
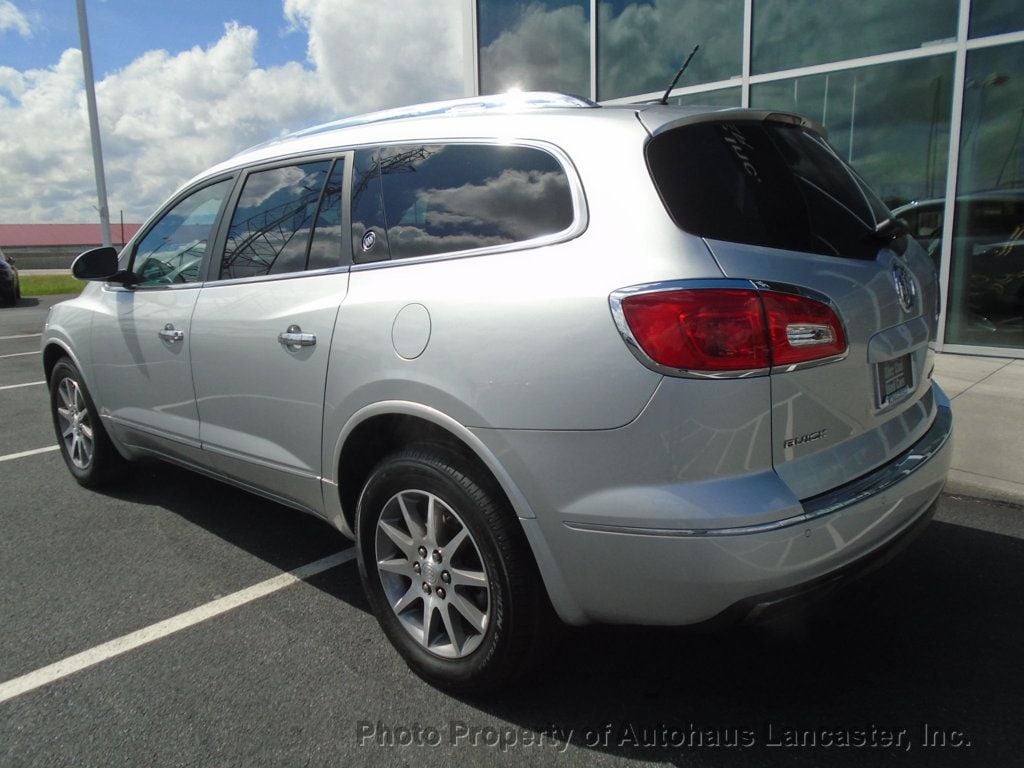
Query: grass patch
<point x="50" y="285"/>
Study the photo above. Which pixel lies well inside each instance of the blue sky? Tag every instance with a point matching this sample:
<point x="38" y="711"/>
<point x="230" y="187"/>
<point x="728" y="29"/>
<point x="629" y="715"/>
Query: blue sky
<point x="122" y="30"/>
<point x="184" y="84"/>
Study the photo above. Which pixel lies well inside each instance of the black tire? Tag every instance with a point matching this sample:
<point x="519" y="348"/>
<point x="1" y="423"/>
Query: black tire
<point x="515" y="607"/>
<point x="88" y="453"/>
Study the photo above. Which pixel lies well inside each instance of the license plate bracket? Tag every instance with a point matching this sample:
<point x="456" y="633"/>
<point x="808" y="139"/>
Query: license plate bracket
<point x="894" y="380"/>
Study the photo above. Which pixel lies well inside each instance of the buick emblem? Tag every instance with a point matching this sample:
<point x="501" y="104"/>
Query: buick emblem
<point x="369" y="240"/>
<point x="905" y="288"/>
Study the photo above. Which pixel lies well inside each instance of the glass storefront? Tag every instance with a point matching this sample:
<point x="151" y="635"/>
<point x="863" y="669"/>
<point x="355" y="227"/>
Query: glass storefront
<point x="986" y="294"/>
<point x="640" y="45"/>
<point x="891" y="120"/>
<point x="724" y="97"/>
<point x="995" y="17"/>
<point x="801" y="33"/>
<point x="534" y="46"/>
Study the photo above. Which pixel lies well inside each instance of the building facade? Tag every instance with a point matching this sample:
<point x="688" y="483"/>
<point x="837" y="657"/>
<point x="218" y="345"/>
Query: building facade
<point x="925" y="98"/>
<point x="54" y="246"/>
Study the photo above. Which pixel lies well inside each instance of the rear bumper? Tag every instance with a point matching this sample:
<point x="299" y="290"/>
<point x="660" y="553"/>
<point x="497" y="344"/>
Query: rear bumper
<point x="617" y="572"/>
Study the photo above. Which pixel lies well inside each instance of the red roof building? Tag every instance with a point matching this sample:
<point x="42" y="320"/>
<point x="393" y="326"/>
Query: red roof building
<point x="57" y="235"/>
<point x="54" y="246"/>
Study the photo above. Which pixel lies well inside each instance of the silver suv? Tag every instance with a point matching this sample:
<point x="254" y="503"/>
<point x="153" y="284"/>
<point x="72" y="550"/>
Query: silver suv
<point x="541" y="359"/>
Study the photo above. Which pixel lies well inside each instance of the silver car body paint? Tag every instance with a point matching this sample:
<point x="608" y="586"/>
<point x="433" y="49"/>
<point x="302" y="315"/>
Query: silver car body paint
<point x="645" y="498"/>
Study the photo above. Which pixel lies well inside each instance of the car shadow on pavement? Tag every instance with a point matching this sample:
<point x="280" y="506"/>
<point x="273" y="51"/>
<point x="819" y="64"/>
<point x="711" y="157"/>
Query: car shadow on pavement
<point x="24" y="301"/>
<point x="918" y="663"/>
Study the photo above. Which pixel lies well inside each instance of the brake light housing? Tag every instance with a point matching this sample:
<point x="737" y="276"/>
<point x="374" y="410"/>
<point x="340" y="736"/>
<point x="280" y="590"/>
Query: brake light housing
<point x="728" y="328"/>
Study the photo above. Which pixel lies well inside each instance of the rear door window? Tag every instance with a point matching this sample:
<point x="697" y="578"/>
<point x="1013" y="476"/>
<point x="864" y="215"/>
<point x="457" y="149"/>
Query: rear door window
<point x="444" y="198"/>
<point x="271" y="225"/>
<point x="765" y="183"/>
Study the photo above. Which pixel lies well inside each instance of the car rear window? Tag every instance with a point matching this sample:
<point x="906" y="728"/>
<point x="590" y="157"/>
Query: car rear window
<point x="765" y="183"/>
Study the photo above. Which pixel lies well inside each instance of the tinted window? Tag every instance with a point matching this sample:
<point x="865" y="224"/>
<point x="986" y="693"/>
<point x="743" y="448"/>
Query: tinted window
<point x="765" y="184"/>
<point x="172" y="251"/>
<point x="325" y="250"/>
<point x="445" y="198"/>
<point x="369" y="233"/>
<point x="270" y="228"/>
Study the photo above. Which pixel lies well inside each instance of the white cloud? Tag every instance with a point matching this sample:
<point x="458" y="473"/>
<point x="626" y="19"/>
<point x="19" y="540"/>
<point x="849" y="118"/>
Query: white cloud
<point x="384" y="54"/>
<point x="169" y="115"/>
<point x="12" y="18"/>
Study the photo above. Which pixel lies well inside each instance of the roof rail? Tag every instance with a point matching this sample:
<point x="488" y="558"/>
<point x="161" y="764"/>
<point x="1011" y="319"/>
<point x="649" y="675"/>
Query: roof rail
<point x="512" y="101"/>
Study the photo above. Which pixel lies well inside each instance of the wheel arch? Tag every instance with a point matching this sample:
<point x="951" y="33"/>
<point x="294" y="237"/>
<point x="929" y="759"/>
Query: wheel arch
<point x="376" y="430"/>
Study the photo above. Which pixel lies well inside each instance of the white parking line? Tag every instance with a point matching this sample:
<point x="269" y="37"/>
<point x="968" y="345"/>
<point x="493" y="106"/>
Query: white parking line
<point x="21" y="354"/>
<point x="21" y="336"/>
<point x="33" y="452"/>
<point x="80" y="661"/>
<point x="18" y="386"/>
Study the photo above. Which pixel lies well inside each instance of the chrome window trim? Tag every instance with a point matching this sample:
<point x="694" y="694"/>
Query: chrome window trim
<point x="616" y="298"/>
<point x="836" y="500"/>
<point x="279" y="276"/>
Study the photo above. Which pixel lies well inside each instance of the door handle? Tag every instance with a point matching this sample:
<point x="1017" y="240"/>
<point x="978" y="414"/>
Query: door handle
<point x="295" y="338"/>
<point x="170" y="334"/>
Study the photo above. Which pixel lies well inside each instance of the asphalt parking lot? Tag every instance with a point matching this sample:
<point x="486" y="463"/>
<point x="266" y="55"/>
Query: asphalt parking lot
<point x="919" y="664"/>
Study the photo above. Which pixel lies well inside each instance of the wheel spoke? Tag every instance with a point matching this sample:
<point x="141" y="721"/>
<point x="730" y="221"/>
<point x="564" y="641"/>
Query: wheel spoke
<point x="399" y="539"/>
<point x="66" y="392"/>
<point x="66" y="431"/>
<point x="416" y="530"/>
<point x="465" y="578"/>
<point x="401" y="567"/>
<point x="411" y="595"/>
<point x="86" y="430"/>
<point x="453" y="546"/>
<point x="428" y="615"/>
<point x="449" y="628"/>
<point x="432" y="520"/>
<point x="476" y="618"/>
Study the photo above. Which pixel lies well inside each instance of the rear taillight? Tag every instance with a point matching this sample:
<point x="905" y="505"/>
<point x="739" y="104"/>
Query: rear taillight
<point x="801" y="329"/>
<point x="731" y="329"/>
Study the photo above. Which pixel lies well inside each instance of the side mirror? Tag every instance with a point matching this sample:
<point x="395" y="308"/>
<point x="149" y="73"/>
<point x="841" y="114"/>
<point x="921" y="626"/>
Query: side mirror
<point x="11" y="261"/>
<point x="101" y="264"/>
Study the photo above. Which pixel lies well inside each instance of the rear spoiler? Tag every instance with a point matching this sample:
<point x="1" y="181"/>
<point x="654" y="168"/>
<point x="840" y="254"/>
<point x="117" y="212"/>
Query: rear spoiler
<point x="658" y="119"/>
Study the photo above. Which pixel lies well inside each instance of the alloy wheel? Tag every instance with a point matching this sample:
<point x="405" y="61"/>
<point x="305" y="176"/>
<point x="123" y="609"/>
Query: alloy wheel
<point x="76" y="427"/>
<point x="432" y="574"/>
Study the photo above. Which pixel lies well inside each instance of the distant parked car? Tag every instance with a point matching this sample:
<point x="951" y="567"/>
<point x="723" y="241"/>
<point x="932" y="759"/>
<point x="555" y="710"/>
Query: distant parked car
<point x="988" y="257"/>
<point x="635" y="364"/>
<point x="10" y="283"/>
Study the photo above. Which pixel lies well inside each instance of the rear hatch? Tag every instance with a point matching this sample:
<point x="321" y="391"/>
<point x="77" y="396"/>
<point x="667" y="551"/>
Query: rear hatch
<point x="775" y="205"/>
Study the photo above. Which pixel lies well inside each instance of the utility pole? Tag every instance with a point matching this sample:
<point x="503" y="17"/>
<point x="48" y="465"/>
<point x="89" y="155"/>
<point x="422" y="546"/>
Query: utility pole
<point x="94" y="122"/>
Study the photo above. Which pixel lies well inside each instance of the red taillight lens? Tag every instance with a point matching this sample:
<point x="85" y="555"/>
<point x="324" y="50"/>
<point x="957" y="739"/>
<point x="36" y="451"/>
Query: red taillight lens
<point x="725" y="329"/>
<point x="700" y="330"/>
<point x="801" y="329"/>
